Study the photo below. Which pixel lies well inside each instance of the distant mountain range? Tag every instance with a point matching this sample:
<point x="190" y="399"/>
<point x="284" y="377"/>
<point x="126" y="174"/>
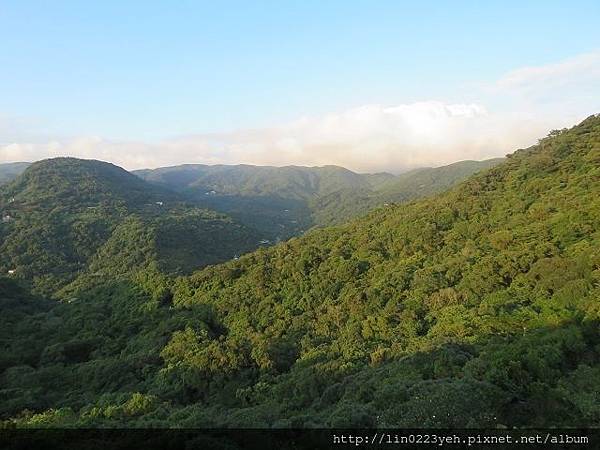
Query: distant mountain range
<point x="10" y="171"/>
<point x="282" y="202"/>
<point x="285" y="201"/>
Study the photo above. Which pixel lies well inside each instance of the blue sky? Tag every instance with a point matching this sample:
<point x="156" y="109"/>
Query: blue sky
<point x="148" y="71"/>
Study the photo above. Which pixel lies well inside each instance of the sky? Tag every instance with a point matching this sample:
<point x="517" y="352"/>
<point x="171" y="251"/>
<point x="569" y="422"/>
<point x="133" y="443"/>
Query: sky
<point x="369" y="85"/>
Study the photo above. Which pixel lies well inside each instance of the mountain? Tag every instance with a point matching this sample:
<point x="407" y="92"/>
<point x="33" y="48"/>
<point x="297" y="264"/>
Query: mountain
<point x="283" y="202"/>
<point x="66" y="217"/>
<point x="477" y="307"/>
<point x="275" y="200"/>
<point x="10" y="171"/>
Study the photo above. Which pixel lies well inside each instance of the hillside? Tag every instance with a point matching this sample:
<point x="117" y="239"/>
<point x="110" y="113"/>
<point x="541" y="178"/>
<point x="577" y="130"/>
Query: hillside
<point x="284" y="202"/>
<point x="10" y="171"/>
<point x="477" y="307"/>
<point x="65" y="217"/>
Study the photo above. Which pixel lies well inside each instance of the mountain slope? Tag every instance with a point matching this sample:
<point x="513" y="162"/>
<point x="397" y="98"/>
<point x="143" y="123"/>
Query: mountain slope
<point x="61" y="214"/>
<point x="495" y="284"/>
<point x="478" y="307"/>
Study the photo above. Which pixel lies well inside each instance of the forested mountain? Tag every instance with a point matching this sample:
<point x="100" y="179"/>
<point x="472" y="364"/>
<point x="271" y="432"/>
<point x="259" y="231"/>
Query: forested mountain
<point x="10" y="171"/>
<point x="285" y="201"/>
<point x="65" y="217"/>
<point x="476" y="307"/>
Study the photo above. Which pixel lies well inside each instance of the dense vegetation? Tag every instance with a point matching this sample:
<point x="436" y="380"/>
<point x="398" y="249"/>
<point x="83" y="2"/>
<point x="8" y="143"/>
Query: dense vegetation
<point x="284" y="202"/>
<point x="64" y="218"/>
<point x="476" y="307"/>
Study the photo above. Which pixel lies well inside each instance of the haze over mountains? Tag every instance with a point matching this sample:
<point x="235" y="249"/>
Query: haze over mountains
<point x="10" y="171"/>
<point x="475" y="307"/>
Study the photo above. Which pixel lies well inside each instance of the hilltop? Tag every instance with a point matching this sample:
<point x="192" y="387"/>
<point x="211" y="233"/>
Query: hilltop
<point x="79" y="183"/>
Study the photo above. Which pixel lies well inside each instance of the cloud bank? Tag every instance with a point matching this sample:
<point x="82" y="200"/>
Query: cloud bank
<point x="373" y="137"/>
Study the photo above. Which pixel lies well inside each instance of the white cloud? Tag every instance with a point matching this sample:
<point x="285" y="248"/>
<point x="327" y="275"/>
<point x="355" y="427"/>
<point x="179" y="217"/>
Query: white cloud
<point x="371" y="138"/>
<point x="564" y="91"/>
<point x="368" y="138"/>
<point x="568" y="71"/>
<point x="520" y="107"/>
